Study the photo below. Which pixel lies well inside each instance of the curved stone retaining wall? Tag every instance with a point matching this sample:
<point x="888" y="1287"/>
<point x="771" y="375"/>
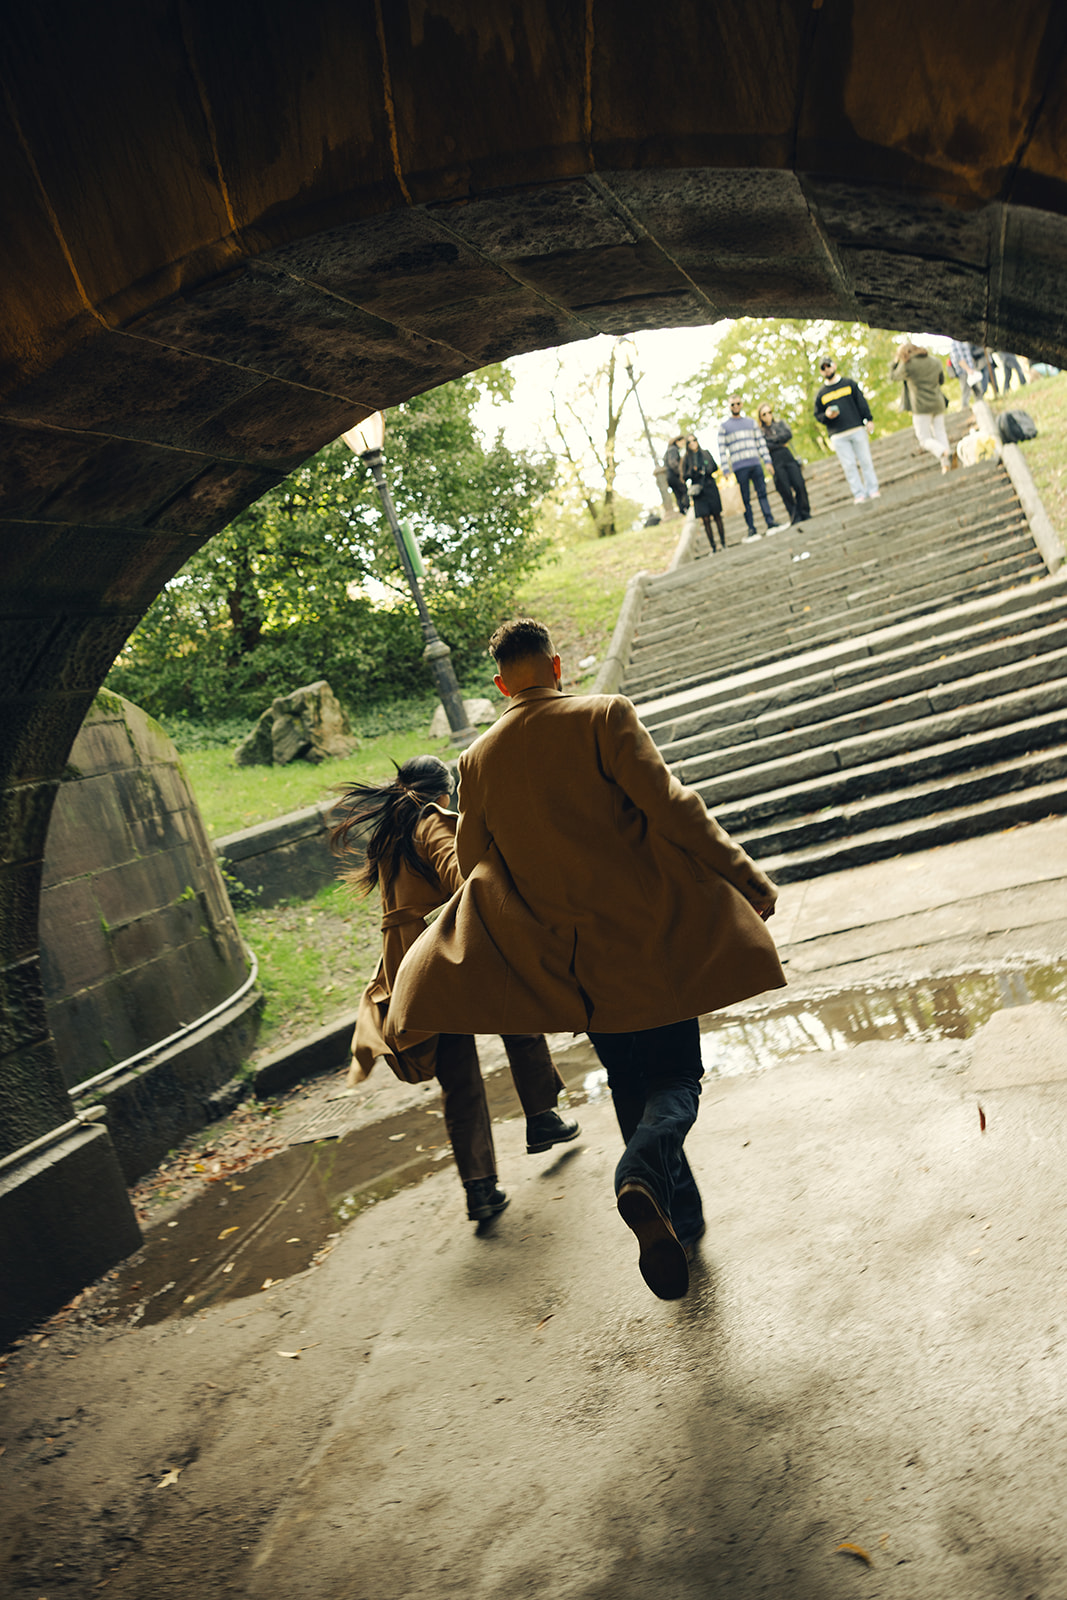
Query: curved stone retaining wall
<point x="138" y="938"/>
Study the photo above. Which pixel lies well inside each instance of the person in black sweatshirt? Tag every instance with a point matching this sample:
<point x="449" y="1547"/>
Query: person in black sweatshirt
<point x="788" y="474"/>
<point x="841" y="406"/>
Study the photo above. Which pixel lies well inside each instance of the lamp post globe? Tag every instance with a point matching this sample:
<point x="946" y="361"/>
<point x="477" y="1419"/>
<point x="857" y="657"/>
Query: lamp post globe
<point x="366" y="440"/>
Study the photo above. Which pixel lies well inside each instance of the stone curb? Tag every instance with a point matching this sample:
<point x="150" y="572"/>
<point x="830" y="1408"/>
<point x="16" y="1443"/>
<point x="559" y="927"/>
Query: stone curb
<point x="323" y="1051"/>
<point x="613" y="667"/>
<point x="1046" y="538"/>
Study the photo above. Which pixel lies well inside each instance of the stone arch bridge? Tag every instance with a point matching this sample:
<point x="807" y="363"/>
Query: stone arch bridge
<point x="230" y="231"/>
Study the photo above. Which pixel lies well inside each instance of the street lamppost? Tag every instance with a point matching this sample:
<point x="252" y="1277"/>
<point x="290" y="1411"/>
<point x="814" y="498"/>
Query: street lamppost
<point x="659" y="471"/>
<point x="366" y="441"/>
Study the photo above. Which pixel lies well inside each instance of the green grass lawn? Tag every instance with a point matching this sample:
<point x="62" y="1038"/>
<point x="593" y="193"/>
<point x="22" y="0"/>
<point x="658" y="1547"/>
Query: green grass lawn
<point x="578" y="590"/>
<point x="232" y="798"/>
<point x="314" y="958"/>
<point x="1046" y="401"/>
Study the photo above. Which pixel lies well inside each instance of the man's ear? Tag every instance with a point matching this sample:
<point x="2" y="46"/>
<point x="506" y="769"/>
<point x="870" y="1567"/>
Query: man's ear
<point x="557" y="668"/>
<point x="502" y="686"/>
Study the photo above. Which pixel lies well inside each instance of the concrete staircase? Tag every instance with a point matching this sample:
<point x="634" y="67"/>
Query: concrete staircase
<point x="881" y="679"/>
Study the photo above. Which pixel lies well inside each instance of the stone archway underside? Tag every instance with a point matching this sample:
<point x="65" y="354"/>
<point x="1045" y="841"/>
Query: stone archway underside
<point x="229" y="232"/>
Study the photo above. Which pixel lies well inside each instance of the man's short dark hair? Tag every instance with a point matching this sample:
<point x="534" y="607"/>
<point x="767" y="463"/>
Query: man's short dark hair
<point x="825" y="361"/>
<point x="518" y="640"/>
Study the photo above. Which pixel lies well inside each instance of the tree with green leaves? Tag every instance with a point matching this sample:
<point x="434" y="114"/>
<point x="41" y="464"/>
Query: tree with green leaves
<point x="307" y="583"/>
<point x="775" y="361"/>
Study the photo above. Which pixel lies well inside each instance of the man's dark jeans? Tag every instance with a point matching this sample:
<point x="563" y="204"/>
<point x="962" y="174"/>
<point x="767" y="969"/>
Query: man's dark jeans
<point x="746" y="478"/>
<point x="654" y="1077"/>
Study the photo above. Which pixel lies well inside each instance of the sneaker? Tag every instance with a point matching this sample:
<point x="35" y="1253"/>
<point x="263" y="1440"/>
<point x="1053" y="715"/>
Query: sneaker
<point x="750" y="536"/>
<point x="858" y="499"/>
<point x="877" y="495"/>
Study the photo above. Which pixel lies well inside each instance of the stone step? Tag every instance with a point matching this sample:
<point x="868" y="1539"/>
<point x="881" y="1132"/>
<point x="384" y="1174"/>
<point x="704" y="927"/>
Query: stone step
<point x="802" y="635"/>
<point x="792" y="583"/>
<point x="871" y="655"/>
<point x="915" y="499"/>
<point x="892" y="726"/>
<point x="953" y="679"/>
<point x="807" y="697"/>
<point x="881" y="678"/>
<point x="757" y="813"/>
<point x="915" y="486"/>
<point x="939" y="742"/>
<point x="1000" y="811"/>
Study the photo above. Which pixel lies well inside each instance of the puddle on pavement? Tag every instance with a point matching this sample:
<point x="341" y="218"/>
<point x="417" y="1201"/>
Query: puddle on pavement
<point x="275" y="1219"/>
<point x="951" y="1007"/>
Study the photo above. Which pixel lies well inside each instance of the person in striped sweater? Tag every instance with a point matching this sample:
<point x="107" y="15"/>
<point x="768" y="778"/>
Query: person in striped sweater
<point x="743" y="453"/>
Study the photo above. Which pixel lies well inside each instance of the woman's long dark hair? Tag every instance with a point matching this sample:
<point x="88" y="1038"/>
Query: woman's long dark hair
<point x="391" y="811"/>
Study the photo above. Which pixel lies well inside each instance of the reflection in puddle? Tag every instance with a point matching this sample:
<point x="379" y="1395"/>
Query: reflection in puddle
<point x="952" y="1007"/>
<point x="276" y="1219"/>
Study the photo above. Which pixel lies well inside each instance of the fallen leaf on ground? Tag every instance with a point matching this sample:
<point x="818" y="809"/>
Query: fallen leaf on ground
<point x="268" y="1283"/>
<point x="227" y="1231"/>
<point x="543" y="1320"/>
<point x="981" y="1120"/>
<point x="171" y="1477"/>
<point x="291" y="1355"/>
<point x="857" y="1551"/>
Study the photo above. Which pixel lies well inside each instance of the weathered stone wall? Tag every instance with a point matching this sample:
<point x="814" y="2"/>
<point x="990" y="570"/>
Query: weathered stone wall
<point x="287" y="858"/>
<point x="138" y="939"/>
<point x="137" y="934"/>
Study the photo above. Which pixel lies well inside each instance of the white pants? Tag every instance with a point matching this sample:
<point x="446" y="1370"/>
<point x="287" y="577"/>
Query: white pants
<point x="932" y="433"/>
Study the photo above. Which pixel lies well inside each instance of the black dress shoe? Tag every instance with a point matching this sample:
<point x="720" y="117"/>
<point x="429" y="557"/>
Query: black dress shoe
<point x="484" y="1199"/>
<point x="663" y="1262"/>
<point x="546" y="1129"/>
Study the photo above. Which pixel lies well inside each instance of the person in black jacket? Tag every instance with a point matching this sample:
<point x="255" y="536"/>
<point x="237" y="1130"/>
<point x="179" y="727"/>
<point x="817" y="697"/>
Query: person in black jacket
<point x="788" y="474"/>
<point x="698" y="467"/>
<point x="841" y="406"/>
<point x="672" y="460"/>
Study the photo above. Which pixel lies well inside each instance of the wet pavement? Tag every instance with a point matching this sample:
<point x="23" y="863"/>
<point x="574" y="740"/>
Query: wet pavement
<point x="276" y="1218"/>
<point x="872" y="1357"/>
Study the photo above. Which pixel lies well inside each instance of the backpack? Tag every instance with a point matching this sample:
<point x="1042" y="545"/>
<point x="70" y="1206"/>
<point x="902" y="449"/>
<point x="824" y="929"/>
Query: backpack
<point x="1016" y="426"/>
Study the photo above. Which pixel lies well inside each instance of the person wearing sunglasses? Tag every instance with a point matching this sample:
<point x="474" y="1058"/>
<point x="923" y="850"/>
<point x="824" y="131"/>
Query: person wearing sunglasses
<point x="788" y="473"/>
<point x="841" y="406"/>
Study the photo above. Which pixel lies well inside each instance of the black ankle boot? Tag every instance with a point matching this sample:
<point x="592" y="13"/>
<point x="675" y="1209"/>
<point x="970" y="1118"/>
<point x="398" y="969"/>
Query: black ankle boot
<point x="546" y="1129"/>
<point x="484" y="1199"/>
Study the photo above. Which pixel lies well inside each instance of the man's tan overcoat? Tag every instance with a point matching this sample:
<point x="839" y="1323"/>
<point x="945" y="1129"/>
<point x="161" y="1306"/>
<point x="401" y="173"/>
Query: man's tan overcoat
<point x="599" y="893"/>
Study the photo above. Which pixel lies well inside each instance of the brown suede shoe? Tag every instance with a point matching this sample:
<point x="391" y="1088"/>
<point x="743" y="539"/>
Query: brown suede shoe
<point x="662" y="1261"/>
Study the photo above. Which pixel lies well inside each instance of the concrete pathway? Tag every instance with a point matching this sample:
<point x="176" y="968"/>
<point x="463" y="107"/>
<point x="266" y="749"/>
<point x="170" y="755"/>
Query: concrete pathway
<point x="873" y="1352"/>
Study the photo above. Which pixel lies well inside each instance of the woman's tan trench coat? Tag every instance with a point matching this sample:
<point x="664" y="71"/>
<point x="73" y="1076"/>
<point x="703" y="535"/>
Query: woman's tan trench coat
<point x="406" y="902"/>
<point x="599" y="892"/>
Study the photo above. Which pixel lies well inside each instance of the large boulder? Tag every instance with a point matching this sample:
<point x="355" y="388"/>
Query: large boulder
<point x="310" y="724"/>
<point x="256" y="748"/>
